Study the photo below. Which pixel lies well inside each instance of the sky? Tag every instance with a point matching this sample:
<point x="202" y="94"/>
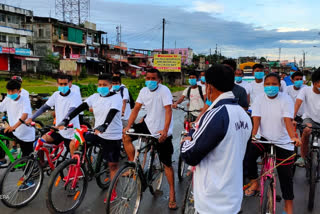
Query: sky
<point x="238" y="27"/>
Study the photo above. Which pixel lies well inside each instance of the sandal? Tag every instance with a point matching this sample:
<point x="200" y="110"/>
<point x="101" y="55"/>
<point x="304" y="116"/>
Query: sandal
<point x="251" y="192"/>
<point x="173" y="205"/>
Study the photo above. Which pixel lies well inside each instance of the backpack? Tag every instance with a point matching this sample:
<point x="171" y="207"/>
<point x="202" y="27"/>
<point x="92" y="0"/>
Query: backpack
<point x="200" y="92"/>
<point x="131" y="100"/>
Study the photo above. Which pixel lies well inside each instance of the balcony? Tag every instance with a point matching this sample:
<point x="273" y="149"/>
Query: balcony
<point x="9" y="30"/>
<point x="14" y="45"/>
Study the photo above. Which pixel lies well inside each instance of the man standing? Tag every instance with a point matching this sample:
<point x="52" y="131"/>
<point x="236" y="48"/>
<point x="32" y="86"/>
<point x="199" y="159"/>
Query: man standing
<point x="256" y="86"/>
<point x="218" y="146"/>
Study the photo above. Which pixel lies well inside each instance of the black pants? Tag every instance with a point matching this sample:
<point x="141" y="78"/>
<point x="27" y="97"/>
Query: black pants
<point x="284" y="170"/>
<point x="26" y="147"/>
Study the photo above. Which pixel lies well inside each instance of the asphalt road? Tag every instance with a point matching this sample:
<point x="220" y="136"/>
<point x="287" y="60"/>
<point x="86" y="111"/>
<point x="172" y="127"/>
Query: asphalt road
<point x="93" y="202"/>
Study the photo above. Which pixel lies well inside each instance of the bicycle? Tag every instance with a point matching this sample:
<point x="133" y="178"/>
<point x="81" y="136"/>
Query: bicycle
<point x="188" y="202"/>
<point x="185" y="132"/>
<point x="23" y="178"/>
<point x="132" y="180"/>
<point x="75" y="173"/>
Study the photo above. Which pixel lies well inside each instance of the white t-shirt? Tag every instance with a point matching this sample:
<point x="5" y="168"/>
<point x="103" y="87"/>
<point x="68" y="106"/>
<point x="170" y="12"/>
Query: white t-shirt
<point x="154" y="102"/>
<point x="272" y="113"/>
<point x="24" y="93"/>
<point x="293" y="94"/>
<point x="196" y="102"/>
<point x="245" y="85"/>
<point x="256" y="89"/>
<point x="15" y="109"/>
<point x="283" y="86"/>
<point x="62" y="105"/>
<point x="311" y="102"/>
<point x="76" y="90"/>
<point x="101" y="107"/>
<point x="203" y="86"/>
<point x="126" y="96"/>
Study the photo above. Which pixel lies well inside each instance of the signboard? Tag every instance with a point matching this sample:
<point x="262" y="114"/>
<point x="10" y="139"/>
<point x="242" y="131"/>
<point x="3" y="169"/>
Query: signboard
<point x="74" y="56"/>
<point x="68" y="65"/>
<point x="23" y="52"/>
<point x="89" y="40"/>
<point x="167" y="62"/>
<point x="8" y="50"/>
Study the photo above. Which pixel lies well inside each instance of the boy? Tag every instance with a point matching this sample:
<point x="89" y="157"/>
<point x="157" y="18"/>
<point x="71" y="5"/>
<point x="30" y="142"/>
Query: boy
<point x="202" y="81"/>
<point x="238" y="80"/>
<point x="293" y="90"/>
<point x="256" y="86"/>
<point x="195" y="94"/>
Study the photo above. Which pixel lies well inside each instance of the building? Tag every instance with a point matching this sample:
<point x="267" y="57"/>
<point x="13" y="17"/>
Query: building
<point x="16" y="51"/>
<point x="186" y="54"/>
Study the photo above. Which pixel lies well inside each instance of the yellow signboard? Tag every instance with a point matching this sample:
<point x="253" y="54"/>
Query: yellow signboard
<point x="167" y="62"/>
<point x="68" y="65"/>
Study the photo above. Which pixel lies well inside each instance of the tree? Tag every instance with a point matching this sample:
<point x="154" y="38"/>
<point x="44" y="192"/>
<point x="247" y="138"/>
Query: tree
<point x="51" y="60"/>
<point x="262" y="59"/>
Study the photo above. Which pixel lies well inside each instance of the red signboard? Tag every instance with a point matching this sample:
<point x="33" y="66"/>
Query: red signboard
<point x="74" y="56"/>
<point x="8" y="50"/>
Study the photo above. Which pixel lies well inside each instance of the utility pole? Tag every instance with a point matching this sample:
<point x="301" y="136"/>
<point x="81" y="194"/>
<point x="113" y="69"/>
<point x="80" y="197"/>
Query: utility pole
<point x="279" y="55"/>
<point x="79" y="11"/>
<point x="163" y="28"/>
<point x="303" y="59"/>
<point x="175" y="44"/>
<point x="210" y="57"/>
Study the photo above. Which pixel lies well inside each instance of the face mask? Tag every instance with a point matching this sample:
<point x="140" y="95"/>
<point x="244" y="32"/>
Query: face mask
<point x="63" y="89"/>
<point x="103" y="91"/>
<point x="271" y="91"/>
<point x="13" y="96"/>
<point x="208" y="102"/>
<point x="151" y="84"/>
<point x="291" y="73"/>
<point x="259" y="75"/>
<point x="116" y="87"/>
<point x="238" y="79"/>
<point x="203" y="79"/>
<point x="192" y="82"/>
<point x="298" y="83"/>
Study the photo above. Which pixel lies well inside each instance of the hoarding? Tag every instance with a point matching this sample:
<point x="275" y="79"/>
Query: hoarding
<point x="167" y="62"/>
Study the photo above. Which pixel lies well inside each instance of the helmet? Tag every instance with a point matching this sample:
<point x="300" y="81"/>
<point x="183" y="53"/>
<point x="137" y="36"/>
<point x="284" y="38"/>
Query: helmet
<point x="17" y="78"/>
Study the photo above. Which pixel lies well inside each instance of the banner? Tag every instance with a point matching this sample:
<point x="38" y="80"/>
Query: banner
<point x="68" y="65"/>
<point x="167" y="62"/>
<point x="23" y="52"/>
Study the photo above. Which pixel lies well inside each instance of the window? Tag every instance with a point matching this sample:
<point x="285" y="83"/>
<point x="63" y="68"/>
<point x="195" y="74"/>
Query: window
<point x="40" y="33"/>
<point x="172" y="52"/>
<point x="2" y="17"/>
<point x="14" y="39"/>
<point x="185" y="53"/>
<point x="13" y="19"/>
<point x="180" y="52"/>
<point x="3" y="38"/>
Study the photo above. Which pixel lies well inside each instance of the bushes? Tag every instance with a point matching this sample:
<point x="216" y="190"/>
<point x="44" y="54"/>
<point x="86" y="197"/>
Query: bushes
<point x="83" y="73"/>
<point x="87" y="90"/>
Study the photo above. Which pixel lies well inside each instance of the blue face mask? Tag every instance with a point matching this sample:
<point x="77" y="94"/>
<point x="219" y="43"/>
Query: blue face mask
<point x="271" y="91"/>
<point x="116" y="87"/>
<point x="103" y="91"/>
<point x="238" y="79"/>
<point x="203" y="79"/>
<point x="63" y="89"/>
<point x="151" y="85"/>
<point x="192" y="82"/>
<point x="13" y="96"/>
<point x="291" y="73"/>
<point x="208" y="102"/>
<point x="298" y="83"/>
<point x="259" y="75"/>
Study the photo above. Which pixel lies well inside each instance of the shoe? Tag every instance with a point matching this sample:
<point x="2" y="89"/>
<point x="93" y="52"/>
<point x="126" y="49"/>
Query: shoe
<point x="72" y="174"/>
<point x="26" y="186"/>
<point x="3" y="162"/>
<point x="113" y="197"/>
<point x="13" y="150"/>
<point x="300" y="162"/>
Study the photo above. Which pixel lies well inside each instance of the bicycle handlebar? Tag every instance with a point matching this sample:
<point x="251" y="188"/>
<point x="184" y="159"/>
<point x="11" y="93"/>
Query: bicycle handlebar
<point x="187" y="111"/>
<point x="270" y="142"/>
<point x="131" y="132"/>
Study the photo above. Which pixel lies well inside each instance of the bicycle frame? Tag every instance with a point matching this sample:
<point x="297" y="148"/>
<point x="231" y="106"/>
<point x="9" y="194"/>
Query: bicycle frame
<point x="6" y="150"/>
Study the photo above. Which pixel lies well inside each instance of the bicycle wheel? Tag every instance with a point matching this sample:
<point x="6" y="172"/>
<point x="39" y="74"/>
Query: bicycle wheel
<point x="155" y="172"/>
<point x="21" y="182"/>
<point x="60" y="196"/>
<point x="125" y="192"/>
<point x="181" y="168"/>
<point x="102" y="172"/>
<point x="267" y="205"/>
<point x="188" y="202"/>
<point x="312" y="179"/>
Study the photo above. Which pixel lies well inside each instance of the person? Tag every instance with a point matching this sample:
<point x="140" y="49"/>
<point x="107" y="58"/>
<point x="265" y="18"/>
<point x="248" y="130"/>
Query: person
<point x="272" y="115"/>
<point x="23" y="93"/>
<point x="18" y="108"/>
<point x="107" y="106"/>
<point x="239" y="81"/>
<point x="64" y="101"/>
<point x="256" y="86"/>
<point x="288" y="78"/>
<point x="293" y="90"/>
<point x="309" y="97"/>
<point x="124" y="92"/>
<point x="195" y="94"/>
<point x="217" y="147"/>
<point x="76" y="90"/>
<point x="202" y="81"/>
<point x="157" y="100"/>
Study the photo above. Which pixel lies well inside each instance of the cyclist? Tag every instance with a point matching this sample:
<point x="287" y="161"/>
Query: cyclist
<point x="18" y="108"/>
<point x="202" y="81"/>
<point x="64" y="101"/>
<point x="157" y="99"/>
<point x="272" y="115"/>
<point x="288" y="79"/>
<point x="108" y="126"/>
<point x="309" y="97"/>
<point x="218" y="146"/>
<point x="195" y="94"/>
<point x="239" y="81"/>
<point x="124" y="92"/>
<point x="76" y="90"/>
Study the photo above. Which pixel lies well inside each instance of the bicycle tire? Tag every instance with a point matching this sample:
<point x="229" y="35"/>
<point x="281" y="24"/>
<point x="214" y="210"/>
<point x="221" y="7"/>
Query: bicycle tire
<point x="102" y="169"/>
<point x="155" y="172"/>
<point x="267" y="204"/>
<point x="20" y="163"/>
<point x="312" y="179"/>
<point x="54" y="180"/>
<point x="188" y="201"/>
<point x="112" y="208"/>
<point x="181" y="168"/>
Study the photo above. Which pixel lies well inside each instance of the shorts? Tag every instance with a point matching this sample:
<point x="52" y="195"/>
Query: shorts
<point x="110" y="148"/>
<point x="314" y="124"/>
<point x="57" y="139"/>
<point x="165" y="149"/>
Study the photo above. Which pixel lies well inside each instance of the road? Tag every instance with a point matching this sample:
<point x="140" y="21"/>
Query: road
<point x="93" y="202"/>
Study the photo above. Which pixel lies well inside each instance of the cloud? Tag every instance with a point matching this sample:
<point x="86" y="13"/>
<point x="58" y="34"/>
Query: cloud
<point x="304" y="42"/>
<point x="207" y="7"/>
<point x="290" y="29"/>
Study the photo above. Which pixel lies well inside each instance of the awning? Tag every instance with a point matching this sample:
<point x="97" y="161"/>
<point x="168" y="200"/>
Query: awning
<point x="71" y="43"/>
<point x="135" y="66"/>
<point x="93" y="59"/>
<point x="27" y="58"/>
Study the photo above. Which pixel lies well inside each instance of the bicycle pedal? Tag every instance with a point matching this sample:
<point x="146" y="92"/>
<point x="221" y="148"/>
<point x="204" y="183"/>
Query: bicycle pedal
<point x="278" y="198"/>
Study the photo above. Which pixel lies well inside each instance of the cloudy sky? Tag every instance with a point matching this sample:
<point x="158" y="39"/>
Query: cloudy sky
<point x="239" y="27"/>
